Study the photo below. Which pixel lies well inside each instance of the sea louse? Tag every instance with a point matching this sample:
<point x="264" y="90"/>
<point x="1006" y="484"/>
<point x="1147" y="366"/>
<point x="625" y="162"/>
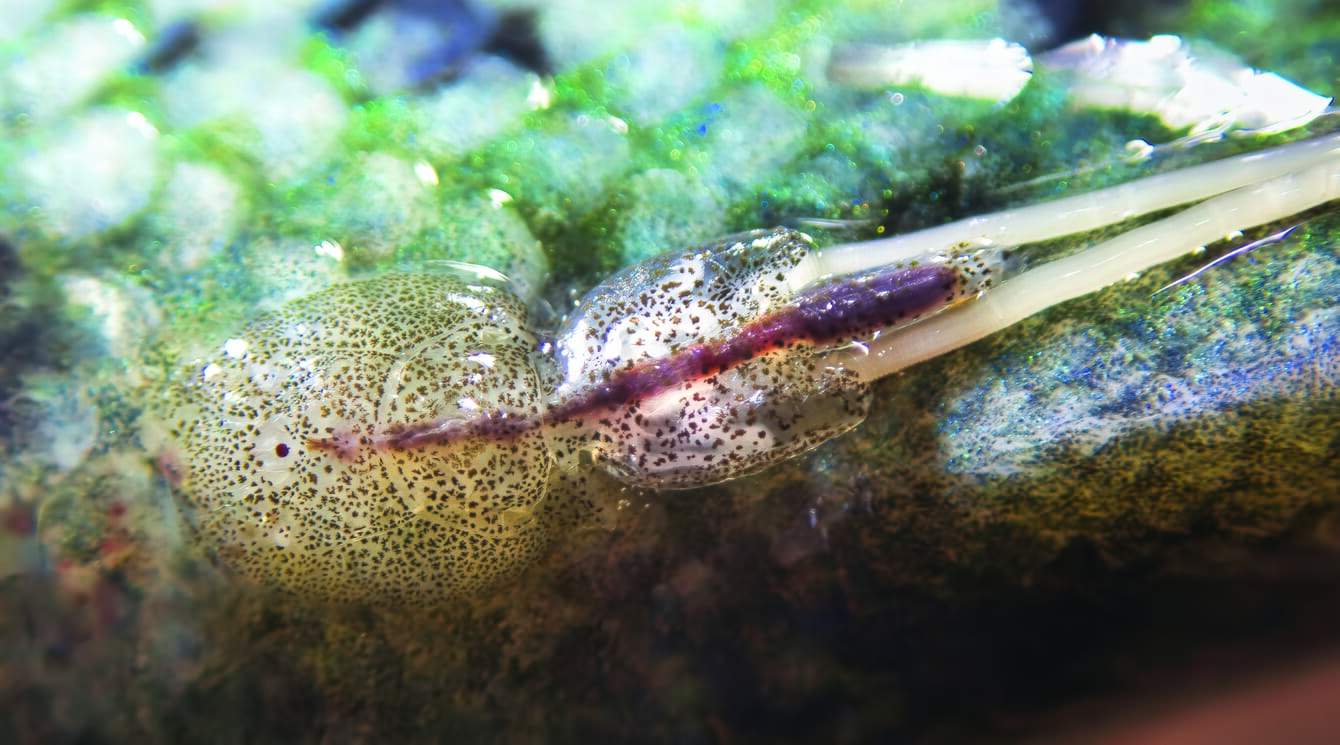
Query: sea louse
<point x="404" y="438"/>
<point x="691" y="367"/>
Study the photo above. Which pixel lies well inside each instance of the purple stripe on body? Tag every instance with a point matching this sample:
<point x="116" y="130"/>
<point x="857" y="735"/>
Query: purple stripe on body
<point x="858" y="308"/>
<point x="835" y="312"/>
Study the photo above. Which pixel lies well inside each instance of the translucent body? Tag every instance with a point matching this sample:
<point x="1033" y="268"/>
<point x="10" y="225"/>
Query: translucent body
<point x="709" y="363"/>
<point x="404" y="439"/>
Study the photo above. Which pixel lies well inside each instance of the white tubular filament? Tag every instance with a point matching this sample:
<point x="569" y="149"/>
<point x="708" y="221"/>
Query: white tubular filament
<point x="1085" y="212"/>
<point x="1111" y="261"/>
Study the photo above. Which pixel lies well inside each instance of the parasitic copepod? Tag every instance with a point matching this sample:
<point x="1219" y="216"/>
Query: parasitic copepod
<point x="408" y="438"/>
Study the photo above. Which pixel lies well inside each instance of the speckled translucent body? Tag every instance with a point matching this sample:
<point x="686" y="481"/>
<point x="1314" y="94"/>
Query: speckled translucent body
<point x="403" y="438"/>
<point x="708" y="363"/>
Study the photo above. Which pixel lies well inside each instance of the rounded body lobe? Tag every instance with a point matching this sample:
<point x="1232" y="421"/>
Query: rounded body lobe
<point x="692" y="367"/>
<point x="360" y="361"/>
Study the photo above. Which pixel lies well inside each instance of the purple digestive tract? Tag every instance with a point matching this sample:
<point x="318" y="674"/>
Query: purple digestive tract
<point x="715" y="351"/>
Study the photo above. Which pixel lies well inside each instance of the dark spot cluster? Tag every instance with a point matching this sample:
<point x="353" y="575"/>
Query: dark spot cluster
<point x="977" y="270"/>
